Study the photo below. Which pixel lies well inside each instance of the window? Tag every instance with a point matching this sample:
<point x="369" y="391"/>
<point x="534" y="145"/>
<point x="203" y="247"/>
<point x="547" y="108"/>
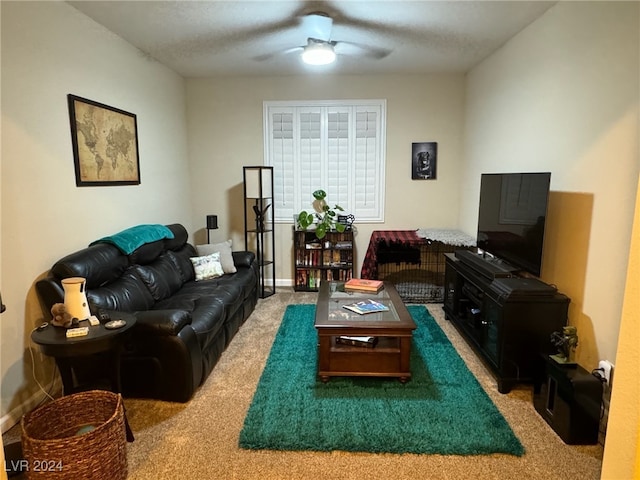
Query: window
<point x="337" y="146"/>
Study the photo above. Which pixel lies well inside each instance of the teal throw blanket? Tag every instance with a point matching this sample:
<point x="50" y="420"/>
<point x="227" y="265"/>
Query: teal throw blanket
<point x="131" y="238"/>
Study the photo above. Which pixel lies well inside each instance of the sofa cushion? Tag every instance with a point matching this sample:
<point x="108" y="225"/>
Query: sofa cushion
<point x="224" y="248"/>
<point x="127" y="294"/>
<point x="183" y="263"/>
<point x="99" y="264"/>
<point x="229" y="289"/>
<point x="207" y="266"/>
<point x="180" y="237"/>
<point x="161" y="277"/>
<point x="146" y="253"/>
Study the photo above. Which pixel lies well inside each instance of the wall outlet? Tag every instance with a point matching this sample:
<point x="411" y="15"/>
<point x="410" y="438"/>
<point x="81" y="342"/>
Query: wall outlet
<point x="606" y="368"/>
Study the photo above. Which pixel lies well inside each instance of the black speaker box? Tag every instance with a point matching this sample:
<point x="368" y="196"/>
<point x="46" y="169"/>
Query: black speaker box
<point x="569" y="399"/>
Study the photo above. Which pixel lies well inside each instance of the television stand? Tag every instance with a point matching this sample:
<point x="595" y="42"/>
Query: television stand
<point x="489" y="267"/>
<point x="509" y="324"/>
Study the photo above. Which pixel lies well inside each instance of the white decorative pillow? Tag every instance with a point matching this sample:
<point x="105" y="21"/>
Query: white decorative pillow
<point x="226" y="259"/>
<point x="207" y="266"/>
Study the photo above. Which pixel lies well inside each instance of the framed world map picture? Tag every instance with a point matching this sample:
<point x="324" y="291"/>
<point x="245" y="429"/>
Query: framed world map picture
<point x="105" y="144"/>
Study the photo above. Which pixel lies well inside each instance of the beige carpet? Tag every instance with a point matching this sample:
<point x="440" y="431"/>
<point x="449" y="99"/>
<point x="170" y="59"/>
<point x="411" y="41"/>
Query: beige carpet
<point x="200" y="439"/>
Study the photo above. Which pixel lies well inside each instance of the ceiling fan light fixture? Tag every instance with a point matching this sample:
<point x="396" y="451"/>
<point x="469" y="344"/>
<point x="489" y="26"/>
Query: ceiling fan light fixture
<point x="318" y="53"/>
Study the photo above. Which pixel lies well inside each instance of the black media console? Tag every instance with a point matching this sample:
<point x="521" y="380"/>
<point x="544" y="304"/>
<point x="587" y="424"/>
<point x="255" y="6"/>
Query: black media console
<point x="506" y="318"/>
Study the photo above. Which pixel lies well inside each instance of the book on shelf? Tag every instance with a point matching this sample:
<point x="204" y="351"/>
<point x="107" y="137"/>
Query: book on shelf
<point x="363" y="285"/>
<point x="366" y="306"/>
<point x="357" y="341"/>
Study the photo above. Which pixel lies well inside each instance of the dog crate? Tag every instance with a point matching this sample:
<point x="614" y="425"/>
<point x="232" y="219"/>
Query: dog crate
<point x="413" y="263"/>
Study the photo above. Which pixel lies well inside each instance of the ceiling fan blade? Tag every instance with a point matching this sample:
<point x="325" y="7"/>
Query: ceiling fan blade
<point x="269" y="56"/>
<point x="317" y="25"/>
<point x="352" y="48"/>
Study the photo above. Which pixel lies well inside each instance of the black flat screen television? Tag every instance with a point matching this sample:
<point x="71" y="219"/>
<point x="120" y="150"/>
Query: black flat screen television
<point x="511" y="218"/>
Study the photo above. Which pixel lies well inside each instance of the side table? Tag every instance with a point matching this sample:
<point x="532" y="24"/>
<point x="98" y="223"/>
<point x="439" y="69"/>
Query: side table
<point x="99" y="350"/>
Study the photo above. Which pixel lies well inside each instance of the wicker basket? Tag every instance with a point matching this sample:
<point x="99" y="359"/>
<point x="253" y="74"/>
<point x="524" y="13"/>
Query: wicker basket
<point x="54" y="448"/>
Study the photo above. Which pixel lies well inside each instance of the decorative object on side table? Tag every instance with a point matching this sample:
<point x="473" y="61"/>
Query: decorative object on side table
<point x="566" y="343"/>
<point x="326" y="216"/>
<point x="75" y="298"/>
<point x="60" y="317"/>
<point x="105" y="144"/>
<point x="258" y="200"/>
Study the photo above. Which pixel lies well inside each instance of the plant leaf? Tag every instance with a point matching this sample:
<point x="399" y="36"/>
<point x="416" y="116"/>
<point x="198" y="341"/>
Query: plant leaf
<point x="321" y="231"/>
<point x="319" y="194"/>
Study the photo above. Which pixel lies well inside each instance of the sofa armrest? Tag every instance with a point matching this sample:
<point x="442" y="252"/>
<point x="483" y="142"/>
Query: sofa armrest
<point x="243" y="259"/>
<point x="164" y="322"/>
<point x="49" y="292"/>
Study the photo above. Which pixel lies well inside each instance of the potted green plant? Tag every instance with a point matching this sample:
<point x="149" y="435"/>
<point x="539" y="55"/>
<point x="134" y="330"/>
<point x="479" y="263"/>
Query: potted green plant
<point x="324" y="215"/>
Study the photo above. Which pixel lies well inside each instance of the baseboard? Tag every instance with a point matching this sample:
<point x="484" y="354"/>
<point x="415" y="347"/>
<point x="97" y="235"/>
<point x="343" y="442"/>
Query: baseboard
<point x="13" y="417"/>
<point x="280" y="282"/>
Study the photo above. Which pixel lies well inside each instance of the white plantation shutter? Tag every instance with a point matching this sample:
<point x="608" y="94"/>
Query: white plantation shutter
<point x="310" y="155"/>
<point x="337" y="146"/>
<point x="339" y="127"/>
<point x="282" y="148"/>
<point x="368" y="191"/>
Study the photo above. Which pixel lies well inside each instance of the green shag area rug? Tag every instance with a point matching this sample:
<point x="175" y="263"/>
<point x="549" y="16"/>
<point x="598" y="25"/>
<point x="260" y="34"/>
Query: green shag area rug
<point x="441" y="410"/>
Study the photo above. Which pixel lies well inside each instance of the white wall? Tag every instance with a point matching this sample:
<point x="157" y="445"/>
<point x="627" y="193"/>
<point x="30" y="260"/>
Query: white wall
<point x="562" y="96"/>
<point x="225" y="133"/>
<point x="49" y="50"/>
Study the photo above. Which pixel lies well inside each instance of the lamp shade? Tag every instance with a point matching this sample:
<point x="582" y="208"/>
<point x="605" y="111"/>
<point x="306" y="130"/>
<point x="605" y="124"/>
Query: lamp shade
<point x="258" y="182"/>
<point x="212" y="222"/>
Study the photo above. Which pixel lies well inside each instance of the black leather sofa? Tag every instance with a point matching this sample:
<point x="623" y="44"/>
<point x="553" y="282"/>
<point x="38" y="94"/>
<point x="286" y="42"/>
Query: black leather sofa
<point x="182" y="326"/>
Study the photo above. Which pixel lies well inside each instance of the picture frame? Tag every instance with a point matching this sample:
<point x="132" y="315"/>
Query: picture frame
<point x="424" y="160"/>
<point x="105" y="144"/>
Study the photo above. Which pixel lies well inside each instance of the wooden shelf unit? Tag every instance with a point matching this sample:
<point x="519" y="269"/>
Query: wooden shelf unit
<point x="315" y="260"/>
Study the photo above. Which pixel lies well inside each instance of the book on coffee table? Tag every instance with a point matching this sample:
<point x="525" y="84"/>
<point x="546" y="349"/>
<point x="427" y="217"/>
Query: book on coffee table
<point x="366" y="306"/>
<point x="363" y="285"/>
<point x="357" y="341"/>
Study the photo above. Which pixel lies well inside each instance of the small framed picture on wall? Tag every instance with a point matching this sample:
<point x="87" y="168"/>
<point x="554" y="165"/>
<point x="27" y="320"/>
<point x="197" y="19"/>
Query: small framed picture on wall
<point x="424" y="160"/>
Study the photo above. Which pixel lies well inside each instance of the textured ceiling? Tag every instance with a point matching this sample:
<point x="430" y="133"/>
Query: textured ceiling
<point x="211" y="38"/>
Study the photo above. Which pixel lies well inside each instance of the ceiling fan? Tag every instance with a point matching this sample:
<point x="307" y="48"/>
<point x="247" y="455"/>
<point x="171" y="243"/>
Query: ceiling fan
<point x="321" y="49"/>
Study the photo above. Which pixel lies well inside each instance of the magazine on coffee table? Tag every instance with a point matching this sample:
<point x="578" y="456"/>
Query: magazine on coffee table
<point x="366" y="306"/>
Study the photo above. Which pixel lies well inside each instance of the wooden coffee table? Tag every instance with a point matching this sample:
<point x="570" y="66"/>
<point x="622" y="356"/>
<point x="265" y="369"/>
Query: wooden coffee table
<point x="393" y="329"/>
